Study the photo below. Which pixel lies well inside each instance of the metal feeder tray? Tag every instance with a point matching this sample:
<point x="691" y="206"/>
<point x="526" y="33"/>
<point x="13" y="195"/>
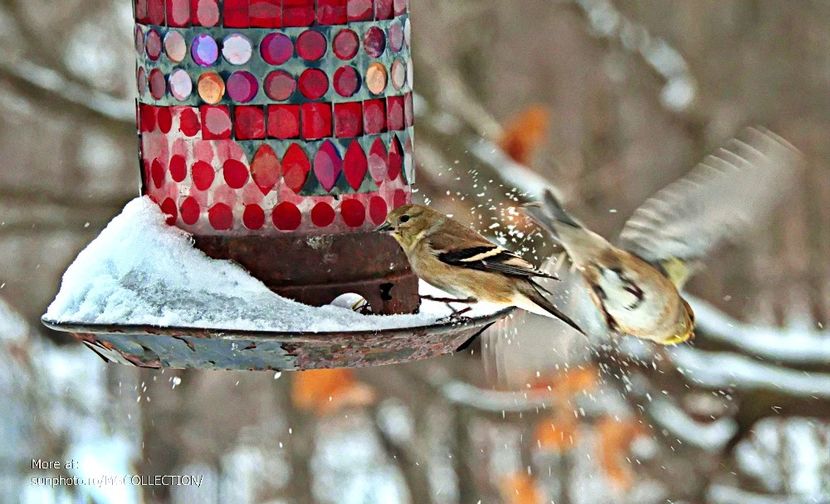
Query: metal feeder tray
<point x="192" y="347"/>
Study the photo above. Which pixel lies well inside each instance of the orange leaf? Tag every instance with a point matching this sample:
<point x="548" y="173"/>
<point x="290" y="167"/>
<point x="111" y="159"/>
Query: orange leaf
<point x="557" y="434"/>
<point x="615" y="441"/>
<point x="519" y="488"/>
<point x="524" y="133"/>
<point x="325" y="391"/>
<point x="568" y="383"/>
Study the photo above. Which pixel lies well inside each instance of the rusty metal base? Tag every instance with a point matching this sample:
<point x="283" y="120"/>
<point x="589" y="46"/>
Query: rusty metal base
<point x="154" y="347"/>
<point x="316" y="269"/>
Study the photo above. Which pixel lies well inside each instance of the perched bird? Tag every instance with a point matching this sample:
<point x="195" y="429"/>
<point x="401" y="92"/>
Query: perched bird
<point x="636" y="284"/>
<point x="461" y="262"/>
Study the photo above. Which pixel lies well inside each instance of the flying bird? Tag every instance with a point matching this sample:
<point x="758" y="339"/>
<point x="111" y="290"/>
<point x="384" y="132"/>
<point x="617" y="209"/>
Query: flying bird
<point x="636" y="284"/>
<point x="458" y="260"/>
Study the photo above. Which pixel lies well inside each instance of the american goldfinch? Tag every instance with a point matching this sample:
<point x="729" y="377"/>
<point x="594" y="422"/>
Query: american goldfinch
<point x="461" y="262"/>
<point x="636" y="285"/>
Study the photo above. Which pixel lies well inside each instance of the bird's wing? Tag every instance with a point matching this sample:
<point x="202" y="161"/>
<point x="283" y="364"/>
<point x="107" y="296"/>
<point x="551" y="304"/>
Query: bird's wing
<point x="721" y="197"/>
<point x="464" y="247"/>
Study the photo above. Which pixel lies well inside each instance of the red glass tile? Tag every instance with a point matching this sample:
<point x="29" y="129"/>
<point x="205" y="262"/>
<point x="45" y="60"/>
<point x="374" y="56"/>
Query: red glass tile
<point x="235" y="14"/>
<point x="202" y="175"/>
<point x="383" y="9"/>
<point x="400" y="7"/>
<point x="249" y="122"/>
<point x="353" y="212"/>
<point x="348" y="119"/>
<point x="377" y="209"/>
<point x="276" y="48"/>
<point x="374" y="116"/>
<point x="189" y="122"/>
<point x="265" y="168"/>
<point x="355" y="165"/>
<point x="284" y="121"/>
<point x="374" y="42"/>
<point x="155" y="12"/>
<point x="158" y="85"/>
<point x="178" y="168"/>
<point x="147" y="117"/>
<point x="265" y="13"/>
<point x="313" y="83"/>
<point x="253" y="217"/>
<point x="216" y="122"/>
<point x="400" y="198"/>
<point x="346" y="81"/>
<point x="178" y="12"/>
<point x="378" y="160"/>
<point x="152" y="44"/>
<point x="220" y="216"/>
<point x="286" y="216"/>
<point x="315" y="120"/>
<point x="279" y="85"/>
<point x="190" y="211"/>
<point x="204" y="12"/>
<point x="141" y="81"/>
<point x="295" y="167"/>
<point x="322" y="214"/>
<point x="396" y="36"/>
<point x="235" y="173"/>
<point x="395" y="158"/>
<point x="157" y="173"/>
<point x="359" y="10"/>
<point x="408" y="110"/>
<point x="345" y="44"/>
<point x="331" y="12"/>
<point x="141" y="11"/>
<point x="164" y="119"/>
<point x="311" y="45"/>
<point x="327" y="165"/>
<point x="298" y="12"/>
<point x="168" y="207"/>
<point x="242" y="86"/>
<point x="394" y="112"/>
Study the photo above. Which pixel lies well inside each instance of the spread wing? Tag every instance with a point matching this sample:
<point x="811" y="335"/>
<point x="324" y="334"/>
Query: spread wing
<point x="721" y="197"/>
<point x="471" y="250"/>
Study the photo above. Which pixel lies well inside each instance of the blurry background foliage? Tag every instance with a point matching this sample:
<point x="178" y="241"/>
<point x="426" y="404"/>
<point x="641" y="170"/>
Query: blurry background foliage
<point x="610" y="100"/>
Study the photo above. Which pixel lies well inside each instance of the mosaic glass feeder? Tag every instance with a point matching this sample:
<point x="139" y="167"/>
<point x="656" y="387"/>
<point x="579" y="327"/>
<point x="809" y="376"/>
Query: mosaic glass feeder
<point x="266" y="123"/>
<point x="279" y="133"/>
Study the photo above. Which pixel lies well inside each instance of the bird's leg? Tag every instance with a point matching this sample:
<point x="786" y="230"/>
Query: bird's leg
<point x="456" y="314"/>
<point x="449" y="300"/>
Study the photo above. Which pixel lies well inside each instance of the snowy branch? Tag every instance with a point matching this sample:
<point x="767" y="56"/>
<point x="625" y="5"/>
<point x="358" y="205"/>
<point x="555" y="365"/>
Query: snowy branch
<point x="44" y="85"/>
<point x="710" y="436"/>
<point x="787" y="345"/>
<point x="722" y="370"/>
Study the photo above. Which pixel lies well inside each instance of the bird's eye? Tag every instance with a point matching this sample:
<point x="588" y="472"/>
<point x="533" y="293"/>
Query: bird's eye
<point x="405" y="218"/>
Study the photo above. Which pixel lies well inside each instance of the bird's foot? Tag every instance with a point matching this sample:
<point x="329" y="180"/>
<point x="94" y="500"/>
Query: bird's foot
<point x="456" y="315"/>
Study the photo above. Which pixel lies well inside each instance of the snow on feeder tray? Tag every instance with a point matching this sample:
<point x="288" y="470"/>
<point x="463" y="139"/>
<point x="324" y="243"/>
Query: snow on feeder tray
<point x="142" y="294"/>
<point x="277" y="135"/>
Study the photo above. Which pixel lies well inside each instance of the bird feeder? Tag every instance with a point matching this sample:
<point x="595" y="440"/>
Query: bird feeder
<point x="279" y="133"/>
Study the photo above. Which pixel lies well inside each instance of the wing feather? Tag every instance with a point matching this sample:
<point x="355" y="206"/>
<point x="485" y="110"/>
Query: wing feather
<point x="725" y="194"/>
<point x="479" y="253"/>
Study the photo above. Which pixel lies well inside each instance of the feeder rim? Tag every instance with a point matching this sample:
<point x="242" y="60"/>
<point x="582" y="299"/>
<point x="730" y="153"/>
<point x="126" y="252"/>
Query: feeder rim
<point x="231" y="334"/>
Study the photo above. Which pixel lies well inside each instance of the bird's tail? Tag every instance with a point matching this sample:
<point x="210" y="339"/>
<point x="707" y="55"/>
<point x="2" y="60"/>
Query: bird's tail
<point x="534" y="301"/>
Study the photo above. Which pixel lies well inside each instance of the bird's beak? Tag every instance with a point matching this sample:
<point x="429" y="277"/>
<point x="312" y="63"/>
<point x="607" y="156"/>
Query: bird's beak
<point x="384" y="228"/>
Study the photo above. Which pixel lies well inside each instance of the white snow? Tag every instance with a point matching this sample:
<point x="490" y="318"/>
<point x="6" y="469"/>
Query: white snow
<point x="723" y="369"/>
<point x="710" y="436"/>
<point x="788" y="344"/>
<point x="140" y="271"/>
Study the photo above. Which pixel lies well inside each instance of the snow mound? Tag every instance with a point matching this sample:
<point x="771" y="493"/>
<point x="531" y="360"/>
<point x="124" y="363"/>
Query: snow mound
<point x="140" y="271"/>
